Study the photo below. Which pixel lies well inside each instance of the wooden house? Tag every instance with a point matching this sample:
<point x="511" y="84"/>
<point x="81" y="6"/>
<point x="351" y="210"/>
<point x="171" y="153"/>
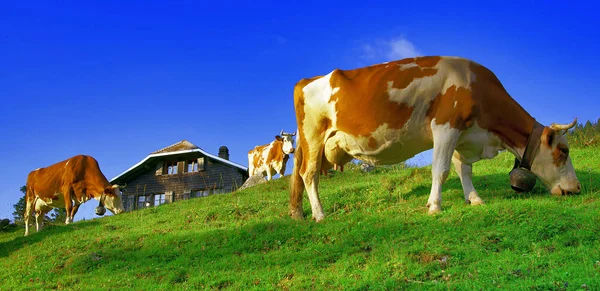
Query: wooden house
<point x="178" y="172"/>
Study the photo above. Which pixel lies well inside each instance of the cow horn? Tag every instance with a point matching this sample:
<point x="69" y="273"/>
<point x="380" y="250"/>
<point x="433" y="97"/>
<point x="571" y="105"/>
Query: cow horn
<point x="115" y="186"/>
<point x="563" y="126"/>
<point x="281" y="133"/>
<point x="294" y="134"/>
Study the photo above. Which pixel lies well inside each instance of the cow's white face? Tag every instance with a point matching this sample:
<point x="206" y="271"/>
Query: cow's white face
<point x="113" y="200"/>
<point x="553" y="165"/>
<point x="288" y="143"/>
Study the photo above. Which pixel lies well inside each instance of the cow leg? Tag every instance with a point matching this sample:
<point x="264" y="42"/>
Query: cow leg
<point x="68" y="204"/>
<point x="74" y="210"/>
<point x="311" y="180"/>
<point x="29" y="201"/>
<point x="310" y="176"/>
<point x="444" y="143"/>
<point x="39" y="217"/>
<point x="465" y="173"/>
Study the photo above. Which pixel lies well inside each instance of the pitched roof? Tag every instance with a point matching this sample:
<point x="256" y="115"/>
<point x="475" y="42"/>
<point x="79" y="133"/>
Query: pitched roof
<point x="181" y="147"/>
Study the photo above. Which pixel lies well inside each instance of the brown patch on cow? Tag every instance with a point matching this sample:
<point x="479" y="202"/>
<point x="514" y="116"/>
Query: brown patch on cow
<point x="404" y="61"/>
<point x="363" y="103"/>
<point x="276" y="151"/>
<point x="455" y="106"/>
<point x="257" y="156"/>
<point x="497" y="111"/>
<point x="372" y="143"/>
<point x="560" y="155"/>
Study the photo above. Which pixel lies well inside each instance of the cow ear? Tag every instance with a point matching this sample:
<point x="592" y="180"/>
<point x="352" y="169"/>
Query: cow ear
<point x="548" y="136"/>
<point x="108" y="191"/>
<point x="277" y="137"/>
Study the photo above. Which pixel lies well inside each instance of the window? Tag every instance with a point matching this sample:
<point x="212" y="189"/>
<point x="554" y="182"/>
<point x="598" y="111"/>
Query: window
<point x="144" y="201"/>
<point x="192" y="166"/>
<point x="171" y="168"/>
<point x="200" y="193"/>
<point x="159" y="199"/>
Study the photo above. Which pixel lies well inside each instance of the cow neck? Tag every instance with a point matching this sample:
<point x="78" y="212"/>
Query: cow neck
<point x="531" y="148"/>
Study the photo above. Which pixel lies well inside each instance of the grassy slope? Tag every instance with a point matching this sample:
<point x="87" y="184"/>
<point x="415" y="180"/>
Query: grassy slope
<point x="377" y="235"/>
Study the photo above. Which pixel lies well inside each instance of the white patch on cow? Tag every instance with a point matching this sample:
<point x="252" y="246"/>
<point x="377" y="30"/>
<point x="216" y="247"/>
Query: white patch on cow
<point x="335" y="90"/>
<point x="455" y="102"/>
<point x="407" y="66"/>
<point x="57" y="202"/>
<point x="456" y="72"/>
<point x="477" y="143"/>
<point x="318" y="102"/>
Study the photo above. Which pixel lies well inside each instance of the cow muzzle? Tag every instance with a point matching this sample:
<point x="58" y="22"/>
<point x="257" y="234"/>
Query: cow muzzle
<point x="559" y="189"/>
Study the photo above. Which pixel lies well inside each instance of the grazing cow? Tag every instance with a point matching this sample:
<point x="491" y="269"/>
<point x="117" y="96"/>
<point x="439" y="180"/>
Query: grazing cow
<point x="387" y="113"/>
<point x="270" y="159"/>
<point x="68" y="184"/>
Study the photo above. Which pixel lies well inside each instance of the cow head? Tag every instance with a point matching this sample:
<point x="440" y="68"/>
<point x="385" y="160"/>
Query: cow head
<point x="288" y="142"/>
<point x="552" y="165"/>
<point x="112" y="199"/>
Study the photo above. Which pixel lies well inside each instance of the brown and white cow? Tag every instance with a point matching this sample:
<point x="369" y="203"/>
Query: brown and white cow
<point x="271" y="158"/>
<point x="387" y="113"/>
<point x="68" y="184"/>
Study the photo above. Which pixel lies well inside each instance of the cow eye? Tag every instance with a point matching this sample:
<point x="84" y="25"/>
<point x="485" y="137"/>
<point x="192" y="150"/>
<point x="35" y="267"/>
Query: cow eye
<point x="564" y="150"/>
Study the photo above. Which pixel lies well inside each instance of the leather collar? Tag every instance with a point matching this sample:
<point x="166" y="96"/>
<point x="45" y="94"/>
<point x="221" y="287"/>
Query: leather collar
<point x="532" y="147"/>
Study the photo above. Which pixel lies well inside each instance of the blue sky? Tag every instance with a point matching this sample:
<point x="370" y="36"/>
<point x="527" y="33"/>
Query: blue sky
<point x="119" y="79"/>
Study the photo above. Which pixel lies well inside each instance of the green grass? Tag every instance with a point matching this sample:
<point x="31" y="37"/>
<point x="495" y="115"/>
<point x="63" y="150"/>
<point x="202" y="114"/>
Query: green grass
<point x="376" y="236"/>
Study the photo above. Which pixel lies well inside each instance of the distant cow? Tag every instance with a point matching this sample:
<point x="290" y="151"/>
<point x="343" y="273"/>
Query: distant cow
<point x="270" y="159"/>
<point x="387" y="113"/>
<point x="68" y="184"/>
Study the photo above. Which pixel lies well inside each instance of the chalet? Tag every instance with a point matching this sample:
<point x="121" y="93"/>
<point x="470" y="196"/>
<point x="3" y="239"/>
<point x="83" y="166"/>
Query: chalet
<point x="178" y="172"/>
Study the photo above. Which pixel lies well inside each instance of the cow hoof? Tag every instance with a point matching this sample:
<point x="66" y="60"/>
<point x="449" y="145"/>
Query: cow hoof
<point x="297" y="215"/>
<point x="318" y="218"/>
<point x="475" y="201"/>
<point x="434" y="209"/>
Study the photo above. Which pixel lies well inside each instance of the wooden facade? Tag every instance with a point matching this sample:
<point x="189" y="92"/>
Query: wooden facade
<point x="178" y="172"/>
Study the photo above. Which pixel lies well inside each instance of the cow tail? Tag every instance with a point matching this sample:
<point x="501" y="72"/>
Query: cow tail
<point x="296" y="186"/>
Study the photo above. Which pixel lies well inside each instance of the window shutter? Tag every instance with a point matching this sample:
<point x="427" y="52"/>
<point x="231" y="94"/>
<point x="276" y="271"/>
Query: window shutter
<point x="159" y="169"/>
<point x="201" y="164"/>
<point x="186" y="195"/>
<point x="169" y="197"/>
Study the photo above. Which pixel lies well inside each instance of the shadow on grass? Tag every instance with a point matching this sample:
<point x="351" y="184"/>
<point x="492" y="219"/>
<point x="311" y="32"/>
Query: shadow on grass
<point x="6" y="248"/>
<point x="488" y="185"/>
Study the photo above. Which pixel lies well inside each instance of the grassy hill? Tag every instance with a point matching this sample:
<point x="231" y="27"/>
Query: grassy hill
<point x="376" y="236"/>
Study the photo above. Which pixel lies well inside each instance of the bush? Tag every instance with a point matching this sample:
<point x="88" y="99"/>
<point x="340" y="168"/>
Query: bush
<point x="5" y="224"/>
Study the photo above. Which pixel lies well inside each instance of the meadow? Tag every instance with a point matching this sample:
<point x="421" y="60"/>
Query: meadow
<point x="376" y="236"/>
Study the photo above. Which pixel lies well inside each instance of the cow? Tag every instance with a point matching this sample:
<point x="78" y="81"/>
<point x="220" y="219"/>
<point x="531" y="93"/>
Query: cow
<point x="68" y="184"/>
<point x="387" y="113"/>
<point x="270" y="159"/>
